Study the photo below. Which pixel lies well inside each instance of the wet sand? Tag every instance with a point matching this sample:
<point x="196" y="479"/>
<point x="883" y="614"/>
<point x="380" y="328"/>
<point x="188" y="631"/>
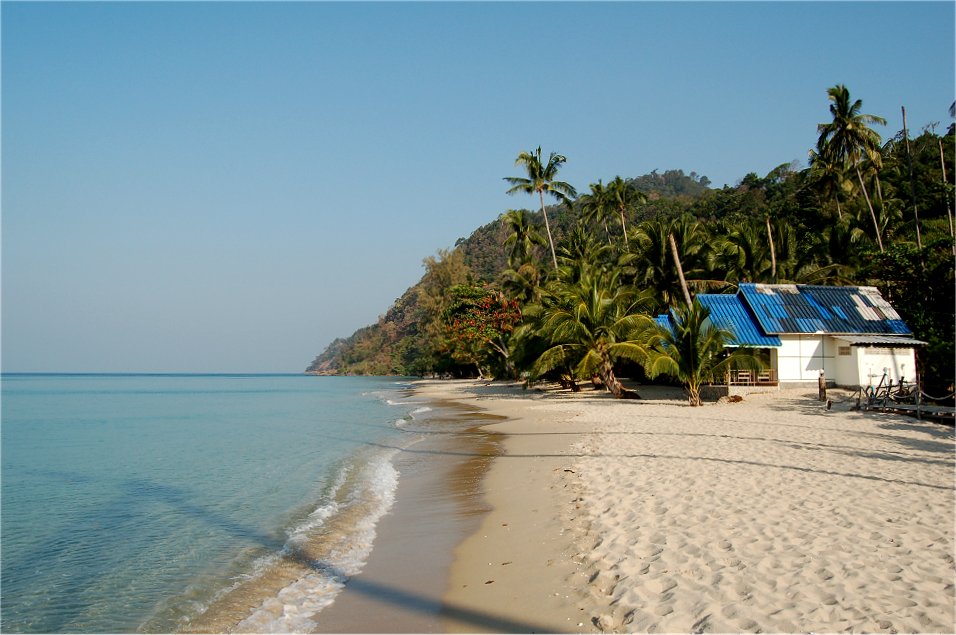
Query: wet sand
<point x="438" y="503"/>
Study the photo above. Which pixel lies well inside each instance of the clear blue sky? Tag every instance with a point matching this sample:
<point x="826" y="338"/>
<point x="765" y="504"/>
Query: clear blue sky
<point x="226" y="187"/>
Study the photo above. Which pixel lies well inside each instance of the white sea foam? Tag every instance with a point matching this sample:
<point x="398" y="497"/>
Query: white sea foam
<point x="422" y="410"/>
<point x="292" y="608"/>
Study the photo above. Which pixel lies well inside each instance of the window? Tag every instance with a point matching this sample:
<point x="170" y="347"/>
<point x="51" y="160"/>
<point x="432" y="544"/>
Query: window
<point x="844" y="350"/>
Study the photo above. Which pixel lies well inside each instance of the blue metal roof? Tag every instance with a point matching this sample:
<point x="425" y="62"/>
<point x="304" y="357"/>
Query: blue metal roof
<point x="664" y="321"/>
<point x="729" y="312"/>
<point x="803" y="308"/>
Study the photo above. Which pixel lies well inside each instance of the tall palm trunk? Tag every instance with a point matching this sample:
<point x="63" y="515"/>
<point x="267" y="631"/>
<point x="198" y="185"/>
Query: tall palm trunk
<point x="624" y="227"/>
<point x="909" y="162"/>
<point x="876" y="225"/>
<point x="949" y="214"/>
<point x="773" y="254"/>
<point x="680" y="270"/>
<point x="547" y="227"/>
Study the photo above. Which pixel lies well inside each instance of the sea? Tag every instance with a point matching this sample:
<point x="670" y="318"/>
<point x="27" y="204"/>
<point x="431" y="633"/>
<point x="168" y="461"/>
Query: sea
<point x="164" y="503"/>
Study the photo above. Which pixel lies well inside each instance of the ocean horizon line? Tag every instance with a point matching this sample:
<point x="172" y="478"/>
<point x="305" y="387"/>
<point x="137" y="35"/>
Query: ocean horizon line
<point x="147" y="374"/>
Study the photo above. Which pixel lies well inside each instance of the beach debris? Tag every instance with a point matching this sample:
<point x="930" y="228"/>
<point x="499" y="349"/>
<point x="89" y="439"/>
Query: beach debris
<point x="603" y="622"/>
<point x="490" y="582"/>
<point x="505" y="563"/>
<point x="734" y="399"/>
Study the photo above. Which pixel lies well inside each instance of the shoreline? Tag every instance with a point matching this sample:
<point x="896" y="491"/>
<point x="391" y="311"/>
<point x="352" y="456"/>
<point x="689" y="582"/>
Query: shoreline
<point x="438" y="503"/>
<point x="424" y="574"/>
<point x="546" y="511"/>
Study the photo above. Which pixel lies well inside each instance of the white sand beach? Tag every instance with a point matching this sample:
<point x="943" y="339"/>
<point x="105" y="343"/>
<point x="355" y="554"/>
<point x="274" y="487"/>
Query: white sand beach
<point x="768" y="515"/>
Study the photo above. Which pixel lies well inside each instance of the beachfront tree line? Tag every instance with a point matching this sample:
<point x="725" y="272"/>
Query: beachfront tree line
<point x="568" y="290"/>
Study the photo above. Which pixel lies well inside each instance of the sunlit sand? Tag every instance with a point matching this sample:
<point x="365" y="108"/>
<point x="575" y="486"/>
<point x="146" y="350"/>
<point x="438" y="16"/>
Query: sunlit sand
<point x="771" y="515"/>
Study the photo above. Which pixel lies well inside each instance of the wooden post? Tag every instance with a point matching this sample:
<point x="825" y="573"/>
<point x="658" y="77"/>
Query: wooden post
<point x="919" y="397"/>
<point x="822" y="385"/>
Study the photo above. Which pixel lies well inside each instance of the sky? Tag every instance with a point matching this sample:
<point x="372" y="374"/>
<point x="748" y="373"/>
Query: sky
<point x="227" y="187"/>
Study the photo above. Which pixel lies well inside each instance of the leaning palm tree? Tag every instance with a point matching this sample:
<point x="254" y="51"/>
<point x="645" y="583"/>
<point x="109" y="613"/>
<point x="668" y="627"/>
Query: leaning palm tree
<point x="849" y="140"/>
<point x="655" y="266"/>
<point x="541" y="179"/>
<point x="590" y="324"/>
<point x="693" y="351"/>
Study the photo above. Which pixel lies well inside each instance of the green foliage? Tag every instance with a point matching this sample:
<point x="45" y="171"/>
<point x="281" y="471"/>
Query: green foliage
<point x="920" y="285"/>
<point x="541" y="179"/>
<point x="589" y="323"/>
<point x="823" y="231"/>
<point x="672" y="183"/>
<point x="694" y="352"/>
<point x="478" y="323"/>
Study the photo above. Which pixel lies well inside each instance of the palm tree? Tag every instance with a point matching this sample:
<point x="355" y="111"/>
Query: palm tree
<point x="541" y="179"/>
<point x="745" y="254"/>
<point x="522" y="236"/>
<point x="693" y="351"/>
<point x="829" y="175"/>
<point x="655" y="266"/>
<point x="591" y="323"/>
<point x="596" y="207"/>
<point x="849" y="140"/>
<point x="581" y="254"/>
<point x="522" y="284"/>
<point x="625" y="198"/>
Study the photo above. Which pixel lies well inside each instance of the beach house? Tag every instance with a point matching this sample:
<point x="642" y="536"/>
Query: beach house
<point x="851" y="334"/>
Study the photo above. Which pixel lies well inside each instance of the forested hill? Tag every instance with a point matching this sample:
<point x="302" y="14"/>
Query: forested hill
<point x="880" y="215"/>
<point x="394" y="345"/>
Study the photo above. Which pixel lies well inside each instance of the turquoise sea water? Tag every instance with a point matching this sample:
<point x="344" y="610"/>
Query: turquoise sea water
<point x="131" y="502"/>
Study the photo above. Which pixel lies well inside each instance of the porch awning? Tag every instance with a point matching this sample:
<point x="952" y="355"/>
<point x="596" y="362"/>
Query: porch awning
<point x="883" y="341"/>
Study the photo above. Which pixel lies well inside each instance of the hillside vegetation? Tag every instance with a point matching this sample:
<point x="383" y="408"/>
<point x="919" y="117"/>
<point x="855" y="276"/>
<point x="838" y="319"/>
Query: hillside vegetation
<point x="866" y="211"/>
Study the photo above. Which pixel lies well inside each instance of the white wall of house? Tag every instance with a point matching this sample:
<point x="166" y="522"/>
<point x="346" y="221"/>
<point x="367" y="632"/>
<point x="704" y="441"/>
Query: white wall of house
<point x="868" y="363"/>
<point x="847" y="364"/>
<point x="800" y="358"/>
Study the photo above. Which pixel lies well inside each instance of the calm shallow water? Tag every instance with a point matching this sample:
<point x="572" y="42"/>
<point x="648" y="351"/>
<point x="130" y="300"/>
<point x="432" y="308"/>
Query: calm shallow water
<point x="132" y="502"/>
